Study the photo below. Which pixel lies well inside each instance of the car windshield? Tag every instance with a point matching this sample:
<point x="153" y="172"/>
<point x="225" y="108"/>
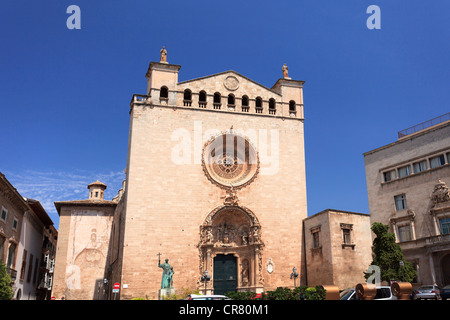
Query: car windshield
<point x="446" y="287"/>
<point x="346" y="294"/>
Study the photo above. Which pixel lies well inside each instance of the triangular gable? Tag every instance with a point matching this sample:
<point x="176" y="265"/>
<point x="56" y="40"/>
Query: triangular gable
<point x="223" y="75"/>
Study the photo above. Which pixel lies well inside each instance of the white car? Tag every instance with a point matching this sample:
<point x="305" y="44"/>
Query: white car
<point x="383" y="293"/>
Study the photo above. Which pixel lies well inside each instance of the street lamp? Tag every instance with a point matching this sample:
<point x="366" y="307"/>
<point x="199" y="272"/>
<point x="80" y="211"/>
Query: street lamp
<point x="401" y="265"/>
<point x="205" y="279"/>
<point x="105" y="288"/>
<point x="294" y="274"/>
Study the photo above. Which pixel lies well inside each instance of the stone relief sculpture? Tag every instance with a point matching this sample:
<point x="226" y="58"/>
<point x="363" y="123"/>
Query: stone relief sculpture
<point x="440" y="192"/>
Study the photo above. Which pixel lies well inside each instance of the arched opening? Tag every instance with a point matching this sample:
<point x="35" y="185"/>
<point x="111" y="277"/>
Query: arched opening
<point x="216" y="102"/>
<point x="272" y="107"/>
<point x="187" y="97"/>
<point x="258" y="105"/>
<point x="245" y="105"/>
<point x="164" y="93"/>
<point x="231" y="100"/>
<point x="230" y="247"/>
<point x="202" y="99"/>
<point x="292" y="108"/>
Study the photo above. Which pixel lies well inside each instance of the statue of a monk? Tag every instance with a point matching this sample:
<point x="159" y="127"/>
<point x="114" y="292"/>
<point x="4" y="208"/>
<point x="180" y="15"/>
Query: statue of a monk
<point x="167" y="274"/>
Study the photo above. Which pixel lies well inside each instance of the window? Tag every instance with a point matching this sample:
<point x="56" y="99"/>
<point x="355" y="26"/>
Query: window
<point x="445" y="225"/>
<point x="11" y="262"/>
<point x="437" y="161"/>
<point x="15" y="223"/>
<point x="404" y="233"/>
<point x="389" y="175"/>
<point x="272" y="107"/>
<point x="4" y="214"/>
<point x="24" y="265"/>
<point x="346" y="236"/>
<point x="202" y="99"/>
<point x="164" y="93"/>
<point x="245" y="106"/>
<point x="420" y="166"/>
<point x="400" y="202"/>
<point x="30" y="268"/>
<point x="231" y="100"/>
<point x="448" y="157"/>
<point x="216" y="102"/>
<point x="292" y="106"/>
<point x="2" y="246"/>
<point x="187" y="98"/>
<point x="316" y="239"/>
<point x="258" y="105"/>
<point x="404" y="171"/>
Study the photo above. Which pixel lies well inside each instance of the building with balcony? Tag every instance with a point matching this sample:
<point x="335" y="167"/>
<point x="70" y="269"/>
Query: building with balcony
<point x="23" y="223"/>
<point x="407" y="185"/>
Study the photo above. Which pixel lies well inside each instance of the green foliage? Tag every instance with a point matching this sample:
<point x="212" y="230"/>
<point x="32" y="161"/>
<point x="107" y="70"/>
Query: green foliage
<point x="298" y="293"/>
<point x="6" y="292"/>
<point x="247" y="295"/>
<point x="184" y="294"/>
<point x="388" y="255"/>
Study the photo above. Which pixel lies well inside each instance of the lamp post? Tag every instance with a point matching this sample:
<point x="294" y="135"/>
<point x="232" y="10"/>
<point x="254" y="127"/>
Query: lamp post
<point x="205" y="279"/>
<point x="294" y="275"/>
<point x="105" y="289"/>
<point x="401" y="266"/>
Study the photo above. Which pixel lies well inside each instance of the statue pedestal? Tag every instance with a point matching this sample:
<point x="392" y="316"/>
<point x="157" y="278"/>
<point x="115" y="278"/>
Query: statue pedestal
<point x="165" y="293"/>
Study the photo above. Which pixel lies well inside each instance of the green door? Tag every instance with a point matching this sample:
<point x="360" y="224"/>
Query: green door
<point x="225" y="273"/>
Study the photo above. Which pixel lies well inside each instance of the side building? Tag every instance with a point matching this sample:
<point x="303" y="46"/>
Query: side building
<point x="23" y="225"/>
<point x="337" y="248"/>
<point x="407" y="184"/>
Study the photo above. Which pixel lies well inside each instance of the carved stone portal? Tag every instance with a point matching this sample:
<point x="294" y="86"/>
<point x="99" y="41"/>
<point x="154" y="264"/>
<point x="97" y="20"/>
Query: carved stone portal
<point x="233" y="230"/>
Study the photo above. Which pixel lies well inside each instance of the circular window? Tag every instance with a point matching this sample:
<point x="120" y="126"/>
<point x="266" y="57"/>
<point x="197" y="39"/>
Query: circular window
<point x="230" y="160"/>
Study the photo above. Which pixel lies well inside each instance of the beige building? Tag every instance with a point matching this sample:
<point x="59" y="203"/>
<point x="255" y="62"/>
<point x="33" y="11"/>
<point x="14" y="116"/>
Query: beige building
<point x="337" y="248"/>
<point x="215" y="181"/>
<point x="24" y="224"/>
<point x="407" y="188"/>
<point x="82" y="255"/>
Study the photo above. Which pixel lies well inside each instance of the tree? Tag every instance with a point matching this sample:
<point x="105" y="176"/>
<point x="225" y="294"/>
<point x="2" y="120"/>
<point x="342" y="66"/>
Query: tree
<point x="6" y="292"/>
<point x="388" y="256"/>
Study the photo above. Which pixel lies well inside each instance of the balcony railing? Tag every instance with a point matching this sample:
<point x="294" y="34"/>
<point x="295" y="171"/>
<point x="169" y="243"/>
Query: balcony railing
<point x="424" y="125"/>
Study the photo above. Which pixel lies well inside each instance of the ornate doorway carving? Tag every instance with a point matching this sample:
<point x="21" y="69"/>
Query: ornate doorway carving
<point x="233" y="230"/>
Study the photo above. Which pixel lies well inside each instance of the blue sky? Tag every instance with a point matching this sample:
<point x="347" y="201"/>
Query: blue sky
<point x="64" y="94"/>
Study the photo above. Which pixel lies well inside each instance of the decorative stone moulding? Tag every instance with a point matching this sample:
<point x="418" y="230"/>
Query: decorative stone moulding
<point x="230" y="161"/>
<point x="231" y="83"/>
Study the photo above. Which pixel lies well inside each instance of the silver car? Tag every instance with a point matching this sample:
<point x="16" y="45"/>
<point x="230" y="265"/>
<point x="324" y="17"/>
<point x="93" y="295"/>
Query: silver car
<point x="383" y="293"/>
<point x="427" y="292"/>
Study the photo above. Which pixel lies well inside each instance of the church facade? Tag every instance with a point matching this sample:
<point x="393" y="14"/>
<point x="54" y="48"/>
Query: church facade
<point x="215" y="185"/>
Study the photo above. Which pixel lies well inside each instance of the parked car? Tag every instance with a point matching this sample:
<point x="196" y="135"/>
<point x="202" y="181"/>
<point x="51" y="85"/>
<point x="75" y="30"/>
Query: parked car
<point x="206" y="297"/>
<point x="383" y="293"/>
<point x="445" y="292"/>
<point x="427" y="292"/>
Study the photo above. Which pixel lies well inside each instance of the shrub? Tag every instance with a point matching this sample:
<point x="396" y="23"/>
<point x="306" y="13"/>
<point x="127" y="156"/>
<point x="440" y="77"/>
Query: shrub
<point x="6" y="292"/>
